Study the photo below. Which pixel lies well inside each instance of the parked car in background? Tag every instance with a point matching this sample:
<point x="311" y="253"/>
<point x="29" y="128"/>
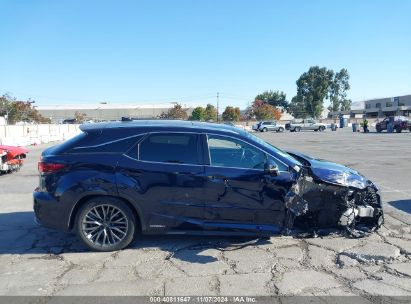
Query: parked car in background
<point x="294" y="121"/>
<point x="264" y="126"/>
<point x="70" y="121"/>
<point x="239" y="125"/>
<point x="307" y="124"/>
<point x="400" y="123"/>
<point x="183" y="177"/>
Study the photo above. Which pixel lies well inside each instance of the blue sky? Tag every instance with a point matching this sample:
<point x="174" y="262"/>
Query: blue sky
<point x="63" y="52"/>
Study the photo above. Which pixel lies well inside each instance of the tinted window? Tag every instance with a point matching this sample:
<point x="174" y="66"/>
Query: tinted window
<point x="121" y="145"/>
<point x="170" y="148"/>
<point x="229" y="152"/>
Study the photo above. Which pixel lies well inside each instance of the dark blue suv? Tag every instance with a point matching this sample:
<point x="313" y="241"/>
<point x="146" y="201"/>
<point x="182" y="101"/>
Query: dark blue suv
<point x="178" y="177"/>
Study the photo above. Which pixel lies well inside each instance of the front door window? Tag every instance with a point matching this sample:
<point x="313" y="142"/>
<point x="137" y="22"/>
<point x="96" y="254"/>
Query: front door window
<point x="229" y="152"/>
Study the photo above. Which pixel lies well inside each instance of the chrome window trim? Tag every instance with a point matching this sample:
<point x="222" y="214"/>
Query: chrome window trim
<point x="107" y="142"/>
<point x="164" y="163"/>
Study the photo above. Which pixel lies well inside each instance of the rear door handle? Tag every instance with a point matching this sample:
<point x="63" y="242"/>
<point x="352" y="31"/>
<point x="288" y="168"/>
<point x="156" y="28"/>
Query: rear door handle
<point x="182" y="173"/>
<point x="217" y="177"/>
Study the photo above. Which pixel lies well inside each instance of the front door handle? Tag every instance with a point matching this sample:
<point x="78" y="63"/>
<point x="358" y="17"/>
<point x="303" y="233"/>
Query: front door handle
<point x="218" y="177"/>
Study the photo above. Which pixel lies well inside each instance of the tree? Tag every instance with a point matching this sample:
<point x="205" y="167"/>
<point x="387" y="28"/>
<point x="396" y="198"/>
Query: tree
<point x="274" y="98"/>
<point x="345" y="105"/>
<point x="312" y="89"/>
<point x="199" y="113"/>
<point x="231" y="114"/>
<point x="20" y="110"/>
<point x="210" y="113"/>
<point x="80" y="117"/>
<point x="297" y="107"/>
<point x="7" y="107"/>
<point x="338" y="92"/>
<point x="264" y="111"/>
<point x="176" y="112"/>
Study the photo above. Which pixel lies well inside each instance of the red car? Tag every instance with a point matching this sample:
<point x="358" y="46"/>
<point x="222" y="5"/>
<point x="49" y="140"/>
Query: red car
<point x="400" y="123"/>
<point x="11" y="158"/>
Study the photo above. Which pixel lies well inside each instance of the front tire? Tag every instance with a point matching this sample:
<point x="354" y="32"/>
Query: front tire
<point x="105" y="224"/>
<point x="280" y="129"/>
<point x="321" y="128"/>
<point x="297" y="129"/>
<point x="265" y="130"/>
<point x="398" y="129"/>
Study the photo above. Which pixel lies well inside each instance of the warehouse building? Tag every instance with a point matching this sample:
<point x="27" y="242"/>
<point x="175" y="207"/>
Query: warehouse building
<point x="378" y="107"/>
<point x="389" y="106"/>
<point x="104" y="112"/>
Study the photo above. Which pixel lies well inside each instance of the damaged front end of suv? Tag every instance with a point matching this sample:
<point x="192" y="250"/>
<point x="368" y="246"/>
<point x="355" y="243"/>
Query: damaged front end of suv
<point x="327" y="195"/>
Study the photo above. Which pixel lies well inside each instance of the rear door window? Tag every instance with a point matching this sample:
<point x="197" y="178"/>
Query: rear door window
<point x="179" y="148"/>
<point x="120" y="145"/>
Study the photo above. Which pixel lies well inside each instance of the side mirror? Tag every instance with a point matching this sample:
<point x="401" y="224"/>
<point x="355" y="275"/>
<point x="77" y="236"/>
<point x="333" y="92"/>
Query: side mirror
<point x="271" y="168"/>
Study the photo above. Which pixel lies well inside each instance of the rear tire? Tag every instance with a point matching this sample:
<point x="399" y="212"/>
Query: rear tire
<point x="297" y="129"/>
<point x="321" y="128"/>
<point x="398" y="129"/>
<point x="265" y="130"/>
<point x="280" y="129"/>
<point x="378" y="129"/>
<point x="105" y="224"/>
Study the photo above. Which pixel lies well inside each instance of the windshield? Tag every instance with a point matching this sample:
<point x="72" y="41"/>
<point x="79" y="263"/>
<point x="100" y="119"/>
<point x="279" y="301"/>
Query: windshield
<point x="274" y="149"/>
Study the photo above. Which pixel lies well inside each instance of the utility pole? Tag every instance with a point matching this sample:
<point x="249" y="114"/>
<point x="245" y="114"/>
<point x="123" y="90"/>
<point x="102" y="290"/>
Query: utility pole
<point x="247" y="113"/>
<point x="218" y="99"/>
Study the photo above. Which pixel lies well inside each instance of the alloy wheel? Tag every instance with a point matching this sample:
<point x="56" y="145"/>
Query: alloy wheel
<point x="105" y="225"/>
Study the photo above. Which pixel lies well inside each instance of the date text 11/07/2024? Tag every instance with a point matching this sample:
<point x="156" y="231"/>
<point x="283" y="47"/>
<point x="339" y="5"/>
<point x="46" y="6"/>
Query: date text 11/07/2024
<point x="203" y="299"/>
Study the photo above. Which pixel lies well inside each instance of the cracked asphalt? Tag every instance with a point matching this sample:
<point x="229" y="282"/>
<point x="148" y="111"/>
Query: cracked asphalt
<point x="38" y="261"/>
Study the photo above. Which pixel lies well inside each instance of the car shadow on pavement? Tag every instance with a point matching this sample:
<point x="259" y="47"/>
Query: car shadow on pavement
<point x="19" y="234"/>
<point x="403" y="205"/>
<point x="196" y="249"/>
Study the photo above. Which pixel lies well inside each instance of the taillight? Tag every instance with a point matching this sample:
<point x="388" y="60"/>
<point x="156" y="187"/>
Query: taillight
<point x="45" y="167"/>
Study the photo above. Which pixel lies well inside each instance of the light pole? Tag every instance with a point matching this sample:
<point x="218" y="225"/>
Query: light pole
<point x="30" y="103"/>
<point x="218" y="101"/>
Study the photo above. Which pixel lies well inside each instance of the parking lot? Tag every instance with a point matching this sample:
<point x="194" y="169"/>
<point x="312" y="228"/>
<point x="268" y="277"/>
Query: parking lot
<point x="38" y="261"/>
